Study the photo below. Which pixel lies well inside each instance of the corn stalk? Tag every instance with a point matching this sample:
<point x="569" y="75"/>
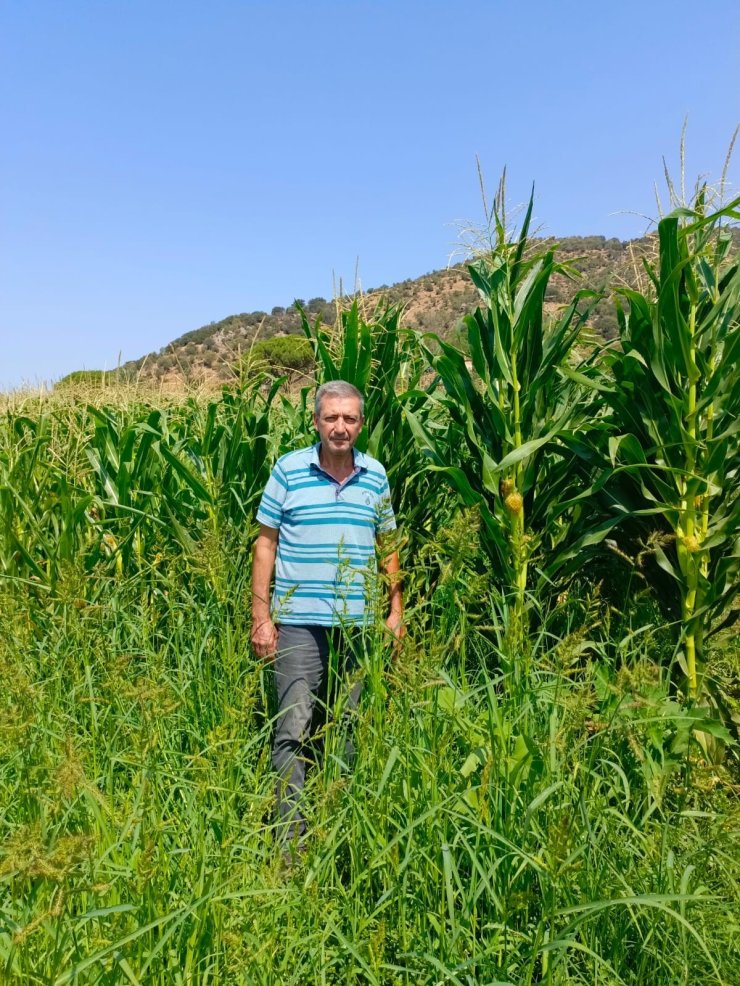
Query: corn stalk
<point x="675" y="416"/>
<point x="515" y="408"/>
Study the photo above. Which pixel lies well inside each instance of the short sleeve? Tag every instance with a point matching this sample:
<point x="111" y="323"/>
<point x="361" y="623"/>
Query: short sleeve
<point x="386" y="520"/>
<point x="270" y="511"/>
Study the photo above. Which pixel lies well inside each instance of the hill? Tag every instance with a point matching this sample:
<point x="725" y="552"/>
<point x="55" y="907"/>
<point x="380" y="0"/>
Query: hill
<point x="433" y="302"/>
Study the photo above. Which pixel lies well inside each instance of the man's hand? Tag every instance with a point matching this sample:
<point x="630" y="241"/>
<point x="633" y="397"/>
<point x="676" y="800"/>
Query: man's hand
<point x="395" y="625"/>
<point x="265" y="639"/>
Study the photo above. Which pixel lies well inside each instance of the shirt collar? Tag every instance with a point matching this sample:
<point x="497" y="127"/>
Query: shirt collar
<point x="359" y="458"/>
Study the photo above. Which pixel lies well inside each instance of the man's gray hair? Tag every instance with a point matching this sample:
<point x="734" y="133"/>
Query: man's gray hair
<point x="338" y="388"/>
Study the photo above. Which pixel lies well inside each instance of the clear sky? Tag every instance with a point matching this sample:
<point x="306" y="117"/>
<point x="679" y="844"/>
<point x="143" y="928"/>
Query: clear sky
<point x="165" y="164"/>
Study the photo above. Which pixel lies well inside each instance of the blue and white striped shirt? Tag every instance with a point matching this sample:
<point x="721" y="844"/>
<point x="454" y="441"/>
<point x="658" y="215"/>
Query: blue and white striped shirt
<point x="325" y="568"/>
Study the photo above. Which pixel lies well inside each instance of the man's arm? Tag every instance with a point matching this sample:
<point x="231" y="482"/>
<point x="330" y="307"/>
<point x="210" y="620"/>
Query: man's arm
<point x="264" y="632"/>
<point x="392" y="568"/>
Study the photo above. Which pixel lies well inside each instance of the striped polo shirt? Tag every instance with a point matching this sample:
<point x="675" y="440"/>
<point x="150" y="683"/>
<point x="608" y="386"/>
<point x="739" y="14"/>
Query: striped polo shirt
<point x="325" y="566"/>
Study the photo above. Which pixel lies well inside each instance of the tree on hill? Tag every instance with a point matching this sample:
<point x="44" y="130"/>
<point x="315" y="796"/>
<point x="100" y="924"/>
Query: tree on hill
<point x="280" y="354"/>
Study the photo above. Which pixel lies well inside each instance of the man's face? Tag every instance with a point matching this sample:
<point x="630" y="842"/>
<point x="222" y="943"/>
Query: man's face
<point x="338" y="423"/>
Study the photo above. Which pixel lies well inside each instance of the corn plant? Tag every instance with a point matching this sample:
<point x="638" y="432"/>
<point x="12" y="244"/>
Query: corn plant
<point x="42" y="509"/>
<point x="675" y="415"/>
<point x="118" y="486"/>
<point x="515" y="408"/>
<point x="175" y="478"/>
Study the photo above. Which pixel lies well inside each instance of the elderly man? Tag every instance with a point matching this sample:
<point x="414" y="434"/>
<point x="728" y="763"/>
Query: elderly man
<point x="322" y="512"/>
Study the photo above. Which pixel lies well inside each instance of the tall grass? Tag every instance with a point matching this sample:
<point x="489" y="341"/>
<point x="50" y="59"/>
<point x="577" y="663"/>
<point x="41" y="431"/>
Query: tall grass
<point x="492" y="829"/>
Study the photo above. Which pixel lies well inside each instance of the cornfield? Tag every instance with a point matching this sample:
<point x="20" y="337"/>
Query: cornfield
<point x="546" y="783"/>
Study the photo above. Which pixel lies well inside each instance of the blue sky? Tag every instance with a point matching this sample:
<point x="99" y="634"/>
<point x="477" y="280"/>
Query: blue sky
<point x="165" y="164"/>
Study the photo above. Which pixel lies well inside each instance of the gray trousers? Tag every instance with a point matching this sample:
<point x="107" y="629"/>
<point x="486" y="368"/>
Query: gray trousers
<point x="305" y="695"/>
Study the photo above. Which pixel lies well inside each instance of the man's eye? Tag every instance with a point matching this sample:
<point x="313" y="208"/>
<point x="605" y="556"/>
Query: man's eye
<point x="351" y="421"/>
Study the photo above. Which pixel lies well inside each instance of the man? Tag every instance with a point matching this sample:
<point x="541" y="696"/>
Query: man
<point x="322" y="512"/>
